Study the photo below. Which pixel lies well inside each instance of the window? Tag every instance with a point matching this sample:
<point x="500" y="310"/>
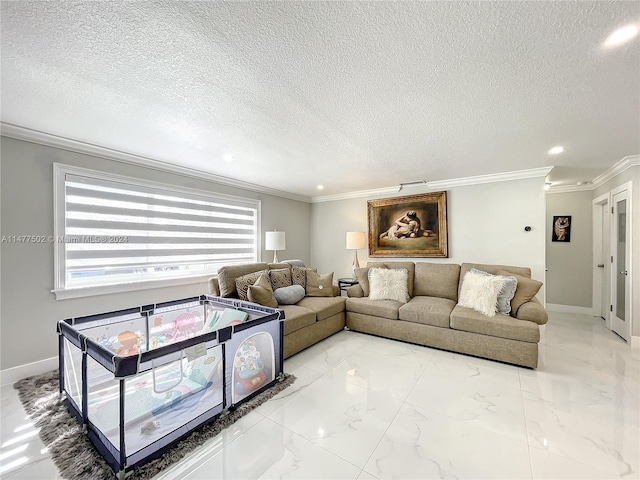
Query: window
<point x="114" y="233"/>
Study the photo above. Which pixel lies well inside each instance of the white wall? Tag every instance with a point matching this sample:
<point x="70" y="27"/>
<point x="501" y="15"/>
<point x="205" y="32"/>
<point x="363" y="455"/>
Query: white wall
<point x="486" y="225"/>
<point x="630" y="175"/>
<point x="569" y="264"/>
<point x="29" y="311"/>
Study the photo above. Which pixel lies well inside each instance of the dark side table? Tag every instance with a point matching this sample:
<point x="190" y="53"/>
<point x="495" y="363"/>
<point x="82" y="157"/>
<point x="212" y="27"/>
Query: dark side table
<point x="345" y="283"/>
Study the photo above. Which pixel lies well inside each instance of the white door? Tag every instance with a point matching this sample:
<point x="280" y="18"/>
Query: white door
<point x="621" y="265"/>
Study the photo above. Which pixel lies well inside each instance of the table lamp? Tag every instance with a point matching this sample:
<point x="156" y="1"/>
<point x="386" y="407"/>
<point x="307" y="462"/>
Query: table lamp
<point x="275" y="241"/>
<point x="355" y="241"/>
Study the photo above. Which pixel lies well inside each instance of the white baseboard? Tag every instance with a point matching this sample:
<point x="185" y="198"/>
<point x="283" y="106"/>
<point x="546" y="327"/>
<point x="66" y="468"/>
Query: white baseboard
<point x="635" y="342"/>
<point x="12" y="375"/>
<point x="556" y="307"/>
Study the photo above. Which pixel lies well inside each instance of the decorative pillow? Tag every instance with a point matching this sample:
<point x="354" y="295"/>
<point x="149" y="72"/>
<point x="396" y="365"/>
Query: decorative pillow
<point x="261" y="292"/>
<point x="362" y="275"/>
<point x="507" y="292"/>
<point x="389" y="284"/>
<point x="289" y="295"/>
<point x="480" y="292"/>
<point x="243" y="283"/>
<point x="527" y="289"/>
<point x="299" y="275"/>
<point x="319" y="285"/>
<point x="280" y="278"/>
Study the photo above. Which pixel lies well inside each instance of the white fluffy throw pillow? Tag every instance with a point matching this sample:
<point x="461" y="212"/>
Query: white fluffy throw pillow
<point x="480" y="292"/>
<point x="389" y="284"/>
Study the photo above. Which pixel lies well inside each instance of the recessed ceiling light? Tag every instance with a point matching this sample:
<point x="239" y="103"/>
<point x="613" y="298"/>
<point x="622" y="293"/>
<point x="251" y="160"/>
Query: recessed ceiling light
<point x="228" y="158"/>
<point x="320" y="187"/>
<point x="622" y="35"/>
<point x="556" y="150"/>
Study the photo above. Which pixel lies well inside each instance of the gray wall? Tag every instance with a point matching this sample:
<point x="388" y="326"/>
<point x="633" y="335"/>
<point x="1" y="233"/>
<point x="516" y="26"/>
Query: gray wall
<point x="486" y="225"/>
<point x="569" y="264"/>
<point x="29" y="311"/>
<point x="630" y="175"/>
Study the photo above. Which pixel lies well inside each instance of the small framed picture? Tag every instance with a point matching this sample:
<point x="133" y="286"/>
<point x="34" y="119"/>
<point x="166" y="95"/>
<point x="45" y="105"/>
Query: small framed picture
<point x="561" y="228"/>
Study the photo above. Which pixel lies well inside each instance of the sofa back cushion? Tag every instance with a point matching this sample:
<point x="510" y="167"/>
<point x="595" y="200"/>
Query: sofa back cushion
<point x="227" y="276"/>
<point x="437" y="280"/>
<point x="409" y="266"/>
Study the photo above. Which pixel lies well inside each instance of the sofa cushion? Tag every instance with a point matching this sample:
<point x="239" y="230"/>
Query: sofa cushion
<point x="410" y="266"/>
<point x="427" y="310"/>
<point x="289" y="295"/>
<point x="500" y="325"/>
<point x="527" y="289"/>
<point x="279" y="278"/>
<point x="245" y="281"/>
<point x="319" y="285"/>
<point x="296" y="317"/>
<point x="227" y="276"/>
<point x="437" y="280"/>
<point x="377" y="308"/>
<point x="262" y="293"/>
<point x="324" y="307"/>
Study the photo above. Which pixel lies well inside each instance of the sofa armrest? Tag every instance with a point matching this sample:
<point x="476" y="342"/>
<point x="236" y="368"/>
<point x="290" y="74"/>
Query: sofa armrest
<point x="336" y="291"/>
<point x="355" y="291"/>
<point x="533" y="311"/>
<point x="214" y="288"/>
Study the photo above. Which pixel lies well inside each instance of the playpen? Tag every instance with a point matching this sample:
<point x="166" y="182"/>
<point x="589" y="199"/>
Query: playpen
<point x="141" y="379"/>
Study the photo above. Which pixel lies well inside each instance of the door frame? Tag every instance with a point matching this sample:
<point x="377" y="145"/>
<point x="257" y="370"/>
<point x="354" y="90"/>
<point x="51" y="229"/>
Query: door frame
<point x="601" y="253"/>
<point x="629" y="313"/>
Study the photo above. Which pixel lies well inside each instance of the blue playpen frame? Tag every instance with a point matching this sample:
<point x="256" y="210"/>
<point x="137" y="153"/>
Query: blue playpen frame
<point x="124" y="367"/>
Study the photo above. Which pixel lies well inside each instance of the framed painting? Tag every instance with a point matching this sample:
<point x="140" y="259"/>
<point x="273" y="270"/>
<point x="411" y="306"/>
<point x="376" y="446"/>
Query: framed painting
<point x="561" y="228"/>
<point x="413" y="226"/>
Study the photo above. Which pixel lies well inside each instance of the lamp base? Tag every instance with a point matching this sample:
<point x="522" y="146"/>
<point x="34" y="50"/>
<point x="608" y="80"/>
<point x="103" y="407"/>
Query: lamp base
<point x="356" y="264"/>
<point x="275" y="257"/>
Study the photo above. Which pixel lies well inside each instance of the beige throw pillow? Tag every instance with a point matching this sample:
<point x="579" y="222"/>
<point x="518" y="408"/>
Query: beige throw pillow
<point x="280" y="278"/>
<point x="299" y="275"/>
<point x="319" y="285"/>
<point x="525" y="291"/>
<point x="243" y="283"/>
<point x="262" y="293"/>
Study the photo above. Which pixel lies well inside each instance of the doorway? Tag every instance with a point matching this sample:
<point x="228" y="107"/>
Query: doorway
<point x="601" y="262"/>
<point x="621" y="261"/>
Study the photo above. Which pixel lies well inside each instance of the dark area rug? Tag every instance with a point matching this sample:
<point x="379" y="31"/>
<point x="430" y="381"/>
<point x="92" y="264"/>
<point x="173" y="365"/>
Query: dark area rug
<point x="74" y="454"/>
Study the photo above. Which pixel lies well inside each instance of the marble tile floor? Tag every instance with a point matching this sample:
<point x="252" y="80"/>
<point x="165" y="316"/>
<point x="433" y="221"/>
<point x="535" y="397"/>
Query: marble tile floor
<point x="370" y="408"/>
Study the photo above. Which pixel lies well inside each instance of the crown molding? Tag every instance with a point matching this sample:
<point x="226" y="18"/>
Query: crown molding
<point x="604" y="177"/>
<point x="441" y="184"/>
<point x="492" y="178"/>
<point x="617" y="169"/>
<point x="569" y="189"/>
<point x="357" y="194"/>
<point x="34" y="136"/>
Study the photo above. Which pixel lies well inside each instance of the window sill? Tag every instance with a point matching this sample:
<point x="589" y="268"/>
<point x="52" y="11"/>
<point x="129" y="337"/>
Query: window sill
<point x="81" y="292"/>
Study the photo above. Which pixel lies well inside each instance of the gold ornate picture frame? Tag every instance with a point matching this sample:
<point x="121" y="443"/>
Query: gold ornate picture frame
<point x="412" y="226"/>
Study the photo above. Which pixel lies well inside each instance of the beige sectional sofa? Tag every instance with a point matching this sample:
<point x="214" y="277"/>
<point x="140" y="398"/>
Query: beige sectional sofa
<point x="433" y="318"/>
<point x="309" y="321"/>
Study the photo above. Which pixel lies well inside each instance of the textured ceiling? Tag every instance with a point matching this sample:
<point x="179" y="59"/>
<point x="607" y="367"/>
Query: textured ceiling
<point x="352" y="95"/>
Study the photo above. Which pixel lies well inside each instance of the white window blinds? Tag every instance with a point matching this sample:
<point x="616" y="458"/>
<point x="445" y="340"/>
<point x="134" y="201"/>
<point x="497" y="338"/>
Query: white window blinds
<point x="118" y="231"/>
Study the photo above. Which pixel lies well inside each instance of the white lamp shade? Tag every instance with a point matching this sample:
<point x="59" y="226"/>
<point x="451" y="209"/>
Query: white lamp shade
<point x="274" y="241"/>
<point x="355" y="240"/>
